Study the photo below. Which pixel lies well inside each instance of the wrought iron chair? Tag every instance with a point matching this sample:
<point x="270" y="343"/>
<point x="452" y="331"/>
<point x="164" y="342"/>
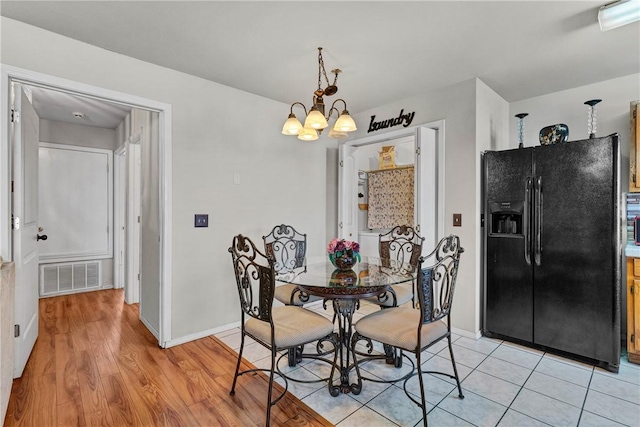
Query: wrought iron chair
<point x="400" y="248"/>
<point x="287" y="248"/>
<point x="416" y="329"/>
<point x="276" y="328"/>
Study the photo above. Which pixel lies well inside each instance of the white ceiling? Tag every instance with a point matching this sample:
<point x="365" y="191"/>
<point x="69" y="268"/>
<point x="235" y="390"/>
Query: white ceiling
<point x="387" y="50"/>
<point x="63" y="107"/>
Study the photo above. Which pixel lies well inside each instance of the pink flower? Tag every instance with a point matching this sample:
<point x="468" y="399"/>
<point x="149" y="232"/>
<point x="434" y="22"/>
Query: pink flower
<point x="332" y="246"/>
<point x="337" y="246"/>
<point x="354" y="246"/>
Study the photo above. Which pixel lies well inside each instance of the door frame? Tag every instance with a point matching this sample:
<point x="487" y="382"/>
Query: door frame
<point x="347" y="211"/>
<point x="119" y="221"/>
<point x="11" y="74"/>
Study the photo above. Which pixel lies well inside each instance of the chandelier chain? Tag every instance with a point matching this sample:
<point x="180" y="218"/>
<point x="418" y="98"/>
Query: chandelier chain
<point x="321" y="70"/>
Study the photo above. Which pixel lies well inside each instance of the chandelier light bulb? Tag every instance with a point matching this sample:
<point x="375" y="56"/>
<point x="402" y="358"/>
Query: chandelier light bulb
<point x="315" y="120"/>
<point x="307" y="134"/>
<point x="345" y="123"/>
<point x="292" y="126"/>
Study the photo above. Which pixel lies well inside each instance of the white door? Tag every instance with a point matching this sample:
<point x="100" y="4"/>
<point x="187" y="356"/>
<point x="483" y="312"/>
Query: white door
<point x="119" y="217"/>
<point x="132" y="291"/>
<point x="150" y="229"/>
<point x="426" y="190"/>
<point x="347" y="187"/>
<point x="25" y="132"/>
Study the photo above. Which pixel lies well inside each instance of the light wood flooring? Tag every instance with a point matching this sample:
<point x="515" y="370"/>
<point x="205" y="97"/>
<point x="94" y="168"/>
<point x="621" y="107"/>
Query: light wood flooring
<point x="94" y="363"/>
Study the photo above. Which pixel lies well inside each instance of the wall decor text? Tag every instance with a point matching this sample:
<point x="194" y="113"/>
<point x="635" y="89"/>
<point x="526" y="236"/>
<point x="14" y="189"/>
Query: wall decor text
<point x="402" y="119"/>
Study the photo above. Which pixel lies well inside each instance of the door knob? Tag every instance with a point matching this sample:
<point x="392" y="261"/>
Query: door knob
<point x="39" y="237"/>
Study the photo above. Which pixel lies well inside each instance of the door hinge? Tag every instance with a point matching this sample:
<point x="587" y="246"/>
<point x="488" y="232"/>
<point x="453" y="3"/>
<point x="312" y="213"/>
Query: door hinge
<point x="15" y="116"/>
<point x="418" y="151"/>
<point x="340" y="225"/>
<point x="341" y="163"/>
<point x="138" y="276"/>
<point x="633" y="338"/>
<point x="15" y="222"/>
<point x="16" y="331"/>
<point x="418" y="228"/>
<point x="631" y="289"/>
<point x="138" y="219"/>
<point x="12" y="186"/>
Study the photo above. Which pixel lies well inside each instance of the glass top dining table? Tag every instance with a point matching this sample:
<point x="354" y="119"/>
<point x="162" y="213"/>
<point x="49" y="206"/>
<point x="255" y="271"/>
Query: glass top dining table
<point x="371" y="277"/>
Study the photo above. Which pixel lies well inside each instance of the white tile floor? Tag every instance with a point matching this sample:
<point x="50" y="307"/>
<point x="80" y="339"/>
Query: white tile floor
<point x="504" y="385"/>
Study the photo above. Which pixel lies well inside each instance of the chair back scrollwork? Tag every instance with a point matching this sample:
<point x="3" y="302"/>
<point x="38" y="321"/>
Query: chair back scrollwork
<point x="286" y="247"/>
<point x="403" y="245"/>
<point x="255" y="278"/>
<point x="436" y="283"/>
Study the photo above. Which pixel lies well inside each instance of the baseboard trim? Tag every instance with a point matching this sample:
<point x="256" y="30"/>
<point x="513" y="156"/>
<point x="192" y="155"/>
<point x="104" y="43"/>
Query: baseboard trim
<point x="201" y="334"/>
<point x="462" y="332"/>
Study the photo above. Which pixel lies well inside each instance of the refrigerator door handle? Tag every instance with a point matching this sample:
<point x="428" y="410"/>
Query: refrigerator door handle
<point x="527" y="219"/>
<point x="538" y="222"/>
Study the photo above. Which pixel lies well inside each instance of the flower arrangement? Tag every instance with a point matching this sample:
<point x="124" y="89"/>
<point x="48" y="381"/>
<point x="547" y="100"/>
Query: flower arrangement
<point x="341" y="248"/>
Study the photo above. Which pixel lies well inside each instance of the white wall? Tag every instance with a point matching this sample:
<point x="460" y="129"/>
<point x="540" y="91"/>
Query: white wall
<point x="457" y="106"/>
<point x="281" y="179"/>
<point x="568" y="107"/>
<point x="79" y="135"/>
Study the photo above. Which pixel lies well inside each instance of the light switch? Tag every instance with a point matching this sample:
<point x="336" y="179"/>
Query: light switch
<point x="202" y="220"/>
<point x="457" y="220"/>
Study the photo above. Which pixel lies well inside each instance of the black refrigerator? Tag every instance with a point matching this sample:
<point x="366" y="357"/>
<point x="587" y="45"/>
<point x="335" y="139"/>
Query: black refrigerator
<point x="552" y="248"/>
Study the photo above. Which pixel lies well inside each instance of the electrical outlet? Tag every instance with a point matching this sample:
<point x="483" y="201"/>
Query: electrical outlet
<point x="202" y="220"/>
<point x="457" y="220"/>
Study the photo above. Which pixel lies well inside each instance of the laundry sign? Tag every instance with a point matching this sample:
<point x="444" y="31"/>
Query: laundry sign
<point x="402" y="119"/>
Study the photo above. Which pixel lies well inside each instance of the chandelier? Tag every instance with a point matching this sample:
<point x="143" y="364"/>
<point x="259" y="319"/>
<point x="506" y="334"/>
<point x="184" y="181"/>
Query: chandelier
<point x="315" y="120"/>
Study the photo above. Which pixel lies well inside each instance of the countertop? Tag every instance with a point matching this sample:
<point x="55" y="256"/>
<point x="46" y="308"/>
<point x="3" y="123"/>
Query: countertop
<point x="631" y="250"/>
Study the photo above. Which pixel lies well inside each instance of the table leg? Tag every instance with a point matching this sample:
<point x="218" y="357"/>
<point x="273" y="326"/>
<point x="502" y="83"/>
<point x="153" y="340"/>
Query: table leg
<point x="344" y="309"/>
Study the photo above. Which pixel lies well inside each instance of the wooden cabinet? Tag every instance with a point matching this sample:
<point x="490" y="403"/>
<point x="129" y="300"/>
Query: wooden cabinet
<point x="634" y="147"/>
<point x="633" y="309"/>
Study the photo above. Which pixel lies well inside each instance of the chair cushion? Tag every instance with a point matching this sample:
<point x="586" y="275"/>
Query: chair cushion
<point x="398" y="327"/>
<point x="293" y="326"/>
<point x="283" y="294"/>
<point x="404" y="294"/>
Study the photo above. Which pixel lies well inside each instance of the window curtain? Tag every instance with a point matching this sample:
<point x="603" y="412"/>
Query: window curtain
<point x="391" y="198"/>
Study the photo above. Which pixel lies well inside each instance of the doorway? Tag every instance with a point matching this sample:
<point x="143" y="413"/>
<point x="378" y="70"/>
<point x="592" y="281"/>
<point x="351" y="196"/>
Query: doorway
<point x="156" y="202"/>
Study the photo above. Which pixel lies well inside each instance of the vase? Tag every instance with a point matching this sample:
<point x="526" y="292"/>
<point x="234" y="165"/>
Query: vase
<point x="344" y="277"/>
<point x="344" y="262"/>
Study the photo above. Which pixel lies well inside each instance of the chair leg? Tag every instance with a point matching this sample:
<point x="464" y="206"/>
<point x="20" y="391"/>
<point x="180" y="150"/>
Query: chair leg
<point x="421" y="381"/>
<point x="455" y="370"/>
<point x="270" y="392"/>
<point x="292" y="357"/>
<point x="235" y="377"/>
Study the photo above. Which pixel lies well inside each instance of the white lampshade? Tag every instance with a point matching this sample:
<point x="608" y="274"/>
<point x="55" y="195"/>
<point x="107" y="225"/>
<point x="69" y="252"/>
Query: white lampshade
<point x="617" y="14"/>
<point x="292" y="126"/>
<point x="333" y="133"/>
<point x="307" y="134"/>
<point x="345" y="123"/>
<point x="315" y="120"/>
